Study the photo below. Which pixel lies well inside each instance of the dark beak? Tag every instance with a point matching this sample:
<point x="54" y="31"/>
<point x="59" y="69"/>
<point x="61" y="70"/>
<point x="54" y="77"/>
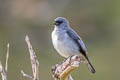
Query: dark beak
<point x="55" y="23"/>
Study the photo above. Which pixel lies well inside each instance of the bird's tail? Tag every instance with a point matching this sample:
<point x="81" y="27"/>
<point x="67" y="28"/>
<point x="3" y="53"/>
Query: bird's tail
<point x="90" y="67"/>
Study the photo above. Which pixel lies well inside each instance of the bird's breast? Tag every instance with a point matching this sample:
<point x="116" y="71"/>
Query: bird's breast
<point x="64" y="45"/>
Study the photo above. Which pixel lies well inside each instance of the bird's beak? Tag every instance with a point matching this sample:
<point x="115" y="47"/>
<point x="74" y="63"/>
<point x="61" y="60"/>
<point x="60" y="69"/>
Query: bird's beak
<point x="54" y="23"/>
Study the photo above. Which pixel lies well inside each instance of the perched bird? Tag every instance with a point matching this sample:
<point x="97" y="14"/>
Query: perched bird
<point x="67" y="42"/>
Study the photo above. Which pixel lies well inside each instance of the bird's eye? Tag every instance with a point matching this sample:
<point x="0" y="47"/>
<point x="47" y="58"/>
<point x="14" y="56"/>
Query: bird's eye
<point x="58" y="23"/>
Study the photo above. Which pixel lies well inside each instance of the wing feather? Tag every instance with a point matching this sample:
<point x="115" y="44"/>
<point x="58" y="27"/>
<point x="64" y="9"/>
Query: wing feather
<point x="73" y="35"/>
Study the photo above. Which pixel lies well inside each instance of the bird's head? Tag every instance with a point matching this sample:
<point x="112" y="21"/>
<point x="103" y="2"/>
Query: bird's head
<point x="61" y="22"/>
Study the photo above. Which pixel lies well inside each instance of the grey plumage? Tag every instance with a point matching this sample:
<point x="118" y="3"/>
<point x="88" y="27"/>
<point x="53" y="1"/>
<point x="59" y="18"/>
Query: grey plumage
<point x="67" y="42"/>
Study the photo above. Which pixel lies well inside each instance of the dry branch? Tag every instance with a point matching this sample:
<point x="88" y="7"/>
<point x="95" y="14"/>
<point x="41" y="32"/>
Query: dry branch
<point x="26" y="75"/>
<point x="63" y="70"/>
<point x="7" y="56"/>
<point x="2" y="69"/>
<point x="34" y="62"/>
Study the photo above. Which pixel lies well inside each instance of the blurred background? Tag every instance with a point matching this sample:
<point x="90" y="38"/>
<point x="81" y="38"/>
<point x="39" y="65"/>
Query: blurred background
<point x="96" y="21"/>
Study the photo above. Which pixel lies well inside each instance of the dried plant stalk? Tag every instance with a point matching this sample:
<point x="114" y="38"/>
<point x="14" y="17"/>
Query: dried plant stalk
<point x="26" y="75"/>
<point x="3" y="72"/>
<point x="63" y="71"/>
<point x="7" y="56"/>
<point x="34" y="61"/>
<point x="2" y="69"/>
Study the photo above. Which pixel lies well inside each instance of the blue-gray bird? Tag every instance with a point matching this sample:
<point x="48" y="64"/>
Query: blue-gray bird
<point x="67" y="42"/>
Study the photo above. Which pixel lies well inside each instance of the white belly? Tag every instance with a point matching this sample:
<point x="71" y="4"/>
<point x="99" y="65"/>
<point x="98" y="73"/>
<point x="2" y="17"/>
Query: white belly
<point x="64" y="45"/>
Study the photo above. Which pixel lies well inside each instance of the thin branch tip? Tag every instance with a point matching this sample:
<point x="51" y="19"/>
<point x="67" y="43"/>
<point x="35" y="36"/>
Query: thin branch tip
<point x="26" y="38"/>
<point x="7" y="57"/>
<point x="8" y="45"/>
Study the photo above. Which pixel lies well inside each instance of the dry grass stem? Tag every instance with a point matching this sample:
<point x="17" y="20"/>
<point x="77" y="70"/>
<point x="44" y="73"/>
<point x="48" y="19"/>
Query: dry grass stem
<point x="26" y="75"/>
<point x="34" y="61"/>
<point x="2" y="69"/>
<point x="7" y="56"/>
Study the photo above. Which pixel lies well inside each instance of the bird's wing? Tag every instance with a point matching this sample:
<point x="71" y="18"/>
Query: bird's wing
<point x="73" y="35"/>
<point x="81" y="46"/>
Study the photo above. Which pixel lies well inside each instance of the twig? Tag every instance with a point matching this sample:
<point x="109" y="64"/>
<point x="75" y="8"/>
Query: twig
<point x="26" y="75"/>
<point x="2" y="69"/>
<point x="34" y="61"/>
<point x="62" y="71"/>
<point x="3" y="72"/>
<point x="7" y="56"/>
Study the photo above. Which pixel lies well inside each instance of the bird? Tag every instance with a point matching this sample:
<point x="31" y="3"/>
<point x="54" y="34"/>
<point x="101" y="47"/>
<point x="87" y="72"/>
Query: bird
<point x="68" y="43"/>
